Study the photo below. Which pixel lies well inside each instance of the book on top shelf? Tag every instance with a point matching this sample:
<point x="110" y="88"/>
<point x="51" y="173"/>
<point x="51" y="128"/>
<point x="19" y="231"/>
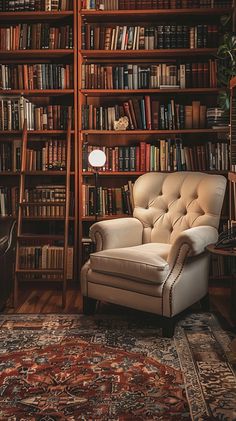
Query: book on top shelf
<point x="152" y="4"/>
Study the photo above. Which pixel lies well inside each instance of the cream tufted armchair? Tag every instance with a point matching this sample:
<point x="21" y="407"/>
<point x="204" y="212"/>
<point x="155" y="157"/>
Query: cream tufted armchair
<point x="156" y="261"/>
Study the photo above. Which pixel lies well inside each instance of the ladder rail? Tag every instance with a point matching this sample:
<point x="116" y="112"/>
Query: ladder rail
<point x="67" y="207"/>
<point x="19" y="219"/>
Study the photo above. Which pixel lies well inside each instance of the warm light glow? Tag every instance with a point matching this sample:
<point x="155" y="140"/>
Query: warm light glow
<point x="97" y="158"/>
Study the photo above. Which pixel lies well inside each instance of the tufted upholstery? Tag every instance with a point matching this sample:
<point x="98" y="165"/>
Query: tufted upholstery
<point x="156" y="261"/>
<point x="168" y="204"/>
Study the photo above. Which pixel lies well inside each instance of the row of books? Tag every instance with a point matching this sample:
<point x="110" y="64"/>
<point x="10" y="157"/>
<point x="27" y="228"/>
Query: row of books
<point x="164" y="75"/>
<point x="110" y="200"/>
<point x="145" y="114"/>
<point x="45" y="211"/>
<point x="45" y="201"/>
<point x="35" y="36"/>
<point x="148" y="37"/>
<point x="9" y="200"/>
<point x="152" y="4"/>
<point x="31" y="5"/>
<point x="10" y="156"/>
<point x="162" y="155"/>
<point x="36" y="76"/>
<point x="13" y="112"/>
<point x="46" y="257"/>
<point x="50" y="157"/>
<point x="45" y="193"/>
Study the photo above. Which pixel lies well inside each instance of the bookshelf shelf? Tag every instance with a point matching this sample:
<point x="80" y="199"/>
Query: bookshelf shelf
<point x="40" y="237"/>
<point x="43" y="203"/>
<point x="48" y="173"/>
<point x="40" y="54"/>
<point x="40" y="271"/>
<point x="9" y="173"/>
<point x="139" y="54"/>
<point x="152" y="132"/>
<point x="35" y="15"/>
<point x="119" y="15"/>
<point x="128" y="92"/>
<point x="38" y="92"/>
<point x="135" y="173"/>
<point x="34" y="132"/>
<point x="47" y="218"/>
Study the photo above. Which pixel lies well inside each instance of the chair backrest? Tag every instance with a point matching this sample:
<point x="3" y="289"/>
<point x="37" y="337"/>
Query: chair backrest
<point x="168" y="203"/>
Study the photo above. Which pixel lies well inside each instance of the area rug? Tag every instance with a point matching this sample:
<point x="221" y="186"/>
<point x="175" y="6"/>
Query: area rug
<point x="114" y="368"/>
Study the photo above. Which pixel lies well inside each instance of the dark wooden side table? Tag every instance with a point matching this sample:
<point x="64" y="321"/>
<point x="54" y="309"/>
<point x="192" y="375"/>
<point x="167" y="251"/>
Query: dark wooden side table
<point x="232" y="254"/>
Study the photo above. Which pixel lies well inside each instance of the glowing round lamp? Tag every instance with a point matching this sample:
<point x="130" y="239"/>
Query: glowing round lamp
<point x="97" y="158"/>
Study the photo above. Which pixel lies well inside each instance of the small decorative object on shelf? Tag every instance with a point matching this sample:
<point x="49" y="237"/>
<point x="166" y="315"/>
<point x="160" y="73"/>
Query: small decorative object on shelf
<point x="121" y="124"/>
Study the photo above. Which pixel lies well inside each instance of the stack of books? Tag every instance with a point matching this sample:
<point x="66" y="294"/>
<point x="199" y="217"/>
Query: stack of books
<point x="50" y="157"/>
<point x="14" y="111"/>
<point x="163" y="75"/>
<point x="31" y="5"/>
<point x="216" y="117"/>
<point x="9" y="200"/>
<point x="46" y="257"/>
<point x="10" y="156"/>
<point x="145" y="114"/>
<point x="148" y="37"/>
<point x="152" y="4"/>
<point x="35" y="36"/>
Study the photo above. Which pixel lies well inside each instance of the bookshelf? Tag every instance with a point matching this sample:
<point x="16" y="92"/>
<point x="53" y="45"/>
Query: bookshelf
<point x="39" y="121"/>
<point x="113" y="58"/>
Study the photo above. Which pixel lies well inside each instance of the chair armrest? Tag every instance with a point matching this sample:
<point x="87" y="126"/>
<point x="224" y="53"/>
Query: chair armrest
<point x="117" y="233"/>
<point x="7" y="234"/>
<point x="196" y="239"/>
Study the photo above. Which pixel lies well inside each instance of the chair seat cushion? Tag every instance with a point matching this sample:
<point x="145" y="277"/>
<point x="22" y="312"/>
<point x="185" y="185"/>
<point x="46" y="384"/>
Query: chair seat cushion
<point x="142" y="263"/>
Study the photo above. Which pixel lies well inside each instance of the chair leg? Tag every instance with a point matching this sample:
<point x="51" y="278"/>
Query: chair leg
<point x="205" y="303"/>
<point x="168" y="328"/>
<point x="89" y="305"/>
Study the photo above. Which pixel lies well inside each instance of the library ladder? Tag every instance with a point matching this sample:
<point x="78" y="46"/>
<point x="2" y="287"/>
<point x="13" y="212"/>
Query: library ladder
<point x="54" y="274"/>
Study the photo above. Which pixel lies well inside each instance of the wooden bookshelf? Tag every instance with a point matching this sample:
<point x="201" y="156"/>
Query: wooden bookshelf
<point x="153" y="132"/>
<point x="34" y="16"/>
<point x="61" y="231"/>
<point x="146" y="54"/>
<point x="39" y="92"/>
<point x="108" y="97"/>
<point x="39" y="54"/>
<point x="151" y="15"/>
<point x="123" y="92"/>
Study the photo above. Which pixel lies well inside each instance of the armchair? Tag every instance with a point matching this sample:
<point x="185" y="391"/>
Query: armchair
<point x="7" y="258"/>
<point x="156" y="261"/>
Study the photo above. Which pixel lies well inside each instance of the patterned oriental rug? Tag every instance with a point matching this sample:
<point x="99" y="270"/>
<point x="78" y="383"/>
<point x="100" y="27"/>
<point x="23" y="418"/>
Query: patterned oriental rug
<point x="114" y="368"/>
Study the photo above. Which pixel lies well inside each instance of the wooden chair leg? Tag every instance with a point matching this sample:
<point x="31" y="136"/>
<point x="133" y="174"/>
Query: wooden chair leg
<point x="89" y="305"/>
<point x="168" y="328"/>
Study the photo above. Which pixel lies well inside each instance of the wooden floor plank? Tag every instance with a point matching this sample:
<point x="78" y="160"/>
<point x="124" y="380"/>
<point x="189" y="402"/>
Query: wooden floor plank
<point x="42" y="299"/>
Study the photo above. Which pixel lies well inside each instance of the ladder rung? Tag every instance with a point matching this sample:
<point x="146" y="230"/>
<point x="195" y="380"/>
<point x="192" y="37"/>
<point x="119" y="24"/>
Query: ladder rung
<point x="40" y="237"/>
<point x="43" y="204"/>
<point x="43" y="271"/>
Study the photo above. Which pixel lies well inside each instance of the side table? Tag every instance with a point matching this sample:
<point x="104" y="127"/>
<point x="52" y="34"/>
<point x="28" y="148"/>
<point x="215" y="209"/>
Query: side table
<point x="232" y="254"/>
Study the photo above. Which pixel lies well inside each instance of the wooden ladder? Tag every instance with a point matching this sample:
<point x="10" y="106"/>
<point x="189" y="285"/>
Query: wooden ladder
<point x="59" y="274"/>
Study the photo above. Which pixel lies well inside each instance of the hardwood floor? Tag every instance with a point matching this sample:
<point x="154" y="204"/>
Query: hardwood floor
<point x="38" y="298"/>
